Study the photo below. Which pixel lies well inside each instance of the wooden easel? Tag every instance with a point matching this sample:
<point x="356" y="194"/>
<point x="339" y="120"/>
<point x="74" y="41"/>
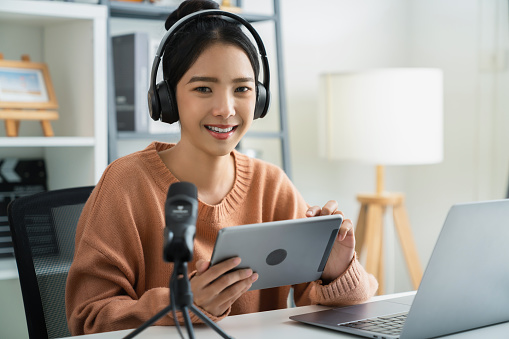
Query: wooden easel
<point x="226" y="5"/>
<point x="369" y="232"/>
<point x="14" y="112"/>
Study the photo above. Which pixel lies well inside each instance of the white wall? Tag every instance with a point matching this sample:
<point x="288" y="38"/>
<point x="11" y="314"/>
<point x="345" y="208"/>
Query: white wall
<point x="462" y="37"/>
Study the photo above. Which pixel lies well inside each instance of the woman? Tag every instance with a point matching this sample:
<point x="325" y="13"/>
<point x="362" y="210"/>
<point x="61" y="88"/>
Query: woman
<point x="118" y="279"/>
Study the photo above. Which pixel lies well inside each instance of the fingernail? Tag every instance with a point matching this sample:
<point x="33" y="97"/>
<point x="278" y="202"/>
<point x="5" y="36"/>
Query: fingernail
<point x="254" y="277"/>
<point x="236" y="261"/>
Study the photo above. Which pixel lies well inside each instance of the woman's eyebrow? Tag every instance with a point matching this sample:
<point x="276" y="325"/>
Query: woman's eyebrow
<point x="245" y="79"/>
<point x="212" y="79"/>
<point x="204" y="79"/>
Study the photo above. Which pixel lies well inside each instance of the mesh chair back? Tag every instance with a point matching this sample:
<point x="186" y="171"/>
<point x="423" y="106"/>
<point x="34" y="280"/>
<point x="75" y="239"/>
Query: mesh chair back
<point x="43" y="228"/>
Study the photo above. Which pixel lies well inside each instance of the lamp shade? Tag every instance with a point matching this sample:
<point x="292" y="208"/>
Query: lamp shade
<point x="384" y="116"/>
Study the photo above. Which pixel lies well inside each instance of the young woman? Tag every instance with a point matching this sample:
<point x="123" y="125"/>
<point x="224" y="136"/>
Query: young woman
<point x="118" y="278"/>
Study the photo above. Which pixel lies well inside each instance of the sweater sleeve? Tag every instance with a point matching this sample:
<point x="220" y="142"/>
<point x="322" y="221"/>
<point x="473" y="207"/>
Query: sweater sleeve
<point x="354" y="286"/>
<point x="107" y="286"/>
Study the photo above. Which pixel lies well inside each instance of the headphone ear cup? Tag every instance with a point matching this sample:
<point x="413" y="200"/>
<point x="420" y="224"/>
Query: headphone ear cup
<point x="167" y="102"/>
<point x="262" y="101"/>
<point x="154" y="108"/>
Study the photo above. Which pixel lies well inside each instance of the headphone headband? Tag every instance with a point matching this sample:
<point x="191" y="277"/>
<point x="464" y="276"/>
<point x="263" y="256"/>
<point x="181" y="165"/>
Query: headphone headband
<point x="153" y="93"/>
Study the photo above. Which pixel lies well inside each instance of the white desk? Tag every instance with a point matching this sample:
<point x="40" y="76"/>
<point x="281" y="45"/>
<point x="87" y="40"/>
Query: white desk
<point x="275" y="324"/>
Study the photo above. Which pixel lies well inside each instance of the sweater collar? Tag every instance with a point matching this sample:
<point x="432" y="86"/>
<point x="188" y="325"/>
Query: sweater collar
<point x="230" y="203"/>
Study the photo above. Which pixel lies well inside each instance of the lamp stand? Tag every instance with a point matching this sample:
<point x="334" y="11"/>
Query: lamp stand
<point x="369" y="232"/>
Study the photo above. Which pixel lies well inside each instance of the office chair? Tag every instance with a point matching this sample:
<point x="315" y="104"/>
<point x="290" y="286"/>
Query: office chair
<point x="43" y="228"/>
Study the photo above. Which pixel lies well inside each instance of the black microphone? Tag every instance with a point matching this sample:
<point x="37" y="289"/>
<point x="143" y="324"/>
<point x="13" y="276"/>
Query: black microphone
<point x="181" y="210"/>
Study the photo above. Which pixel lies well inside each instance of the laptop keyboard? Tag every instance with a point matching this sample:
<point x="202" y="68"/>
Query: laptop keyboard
<point x="391" y="324"/>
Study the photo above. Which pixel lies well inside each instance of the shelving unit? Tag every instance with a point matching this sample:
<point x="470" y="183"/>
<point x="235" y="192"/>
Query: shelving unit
<point x="71" y="39"/>
<point x="273" y="137"/>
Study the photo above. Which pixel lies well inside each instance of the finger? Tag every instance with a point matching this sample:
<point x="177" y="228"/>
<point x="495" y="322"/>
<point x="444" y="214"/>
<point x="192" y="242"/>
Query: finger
<point x="345" y="229"/>
<point x="214" y="294"/>
<point x="313" y="211"/>
<point x="221" y="268"/>
<point x="202" y="266"/>
<point x="229" y="279"/>
<point x="232" y="293"/>
<point x="339" y="212"/>
<point x="329" y="208"/>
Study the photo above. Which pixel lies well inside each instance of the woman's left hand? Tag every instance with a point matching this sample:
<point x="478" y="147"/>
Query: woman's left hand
<point x="344" y="247"/>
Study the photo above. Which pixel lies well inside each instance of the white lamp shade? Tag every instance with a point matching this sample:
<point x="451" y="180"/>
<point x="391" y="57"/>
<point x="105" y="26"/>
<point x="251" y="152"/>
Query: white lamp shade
<point x="385" y="117"/>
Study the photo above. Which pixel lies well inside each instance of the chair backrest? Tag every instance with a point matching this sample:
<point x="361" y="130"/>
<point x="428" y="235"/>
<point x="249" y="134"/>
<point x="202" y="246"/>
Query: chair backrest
<point x="43" y="228"/>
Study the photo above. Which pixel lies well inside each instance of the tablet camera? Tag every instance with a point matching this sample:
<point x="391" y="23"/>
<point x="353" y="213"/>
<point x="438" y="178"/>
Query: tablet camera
<point x="276" y="257"/>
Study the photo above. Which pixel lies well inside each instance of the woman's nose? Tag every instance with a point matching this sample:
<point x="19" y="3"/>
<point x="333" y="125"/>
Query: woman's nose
<point x="224" y="106"/>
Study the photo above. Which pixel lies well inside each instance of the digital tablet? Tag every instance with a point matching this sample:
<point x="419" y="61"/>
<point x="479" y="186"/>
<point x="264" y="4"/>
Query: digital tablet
<point x="281" y="252"/>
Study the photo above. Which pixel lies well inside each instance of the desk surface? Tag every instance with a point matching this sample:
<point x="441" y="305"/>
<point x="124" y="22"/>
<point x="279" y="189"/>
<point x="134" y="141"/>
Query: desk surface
<point x="276" y="324"/>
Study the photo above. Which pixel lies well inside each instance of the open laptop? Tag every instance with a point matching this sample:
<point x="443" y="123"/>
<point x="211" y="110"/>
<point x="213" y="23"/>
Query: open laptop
<point x="465" y="285"/>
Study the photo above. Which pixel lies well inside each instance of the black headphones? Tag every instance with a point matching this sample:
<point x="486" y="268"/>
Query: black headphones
<point x="162" y="101"/>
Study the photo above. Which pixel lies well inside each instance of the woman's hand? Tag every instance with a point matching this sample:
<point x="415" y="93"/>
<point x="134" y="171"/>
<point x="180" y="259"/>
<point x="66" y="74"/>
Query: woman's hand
<point x="344" y="247"/>
<point x="215" y="290"/>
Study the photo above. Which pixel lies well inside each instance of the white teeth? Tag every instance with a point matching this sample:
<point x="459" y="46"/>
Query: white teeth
<point x="220" y="130"/>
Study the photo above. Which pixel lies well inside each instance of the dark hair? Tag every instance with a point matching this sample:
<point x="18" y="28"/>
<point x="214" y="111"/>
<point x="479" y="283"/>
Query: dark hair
<point x="193" y="38"/>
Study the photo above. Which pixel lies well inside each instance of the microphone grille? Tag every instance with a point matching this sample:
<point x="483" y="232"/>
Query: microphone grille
<point x="185" y="188"/>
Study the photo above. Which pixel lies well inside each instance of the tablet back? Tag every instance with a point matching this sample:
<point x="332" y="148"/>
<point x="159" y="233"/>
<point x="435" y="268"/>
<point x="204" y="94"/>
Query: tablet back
<point x="281" y="252"/>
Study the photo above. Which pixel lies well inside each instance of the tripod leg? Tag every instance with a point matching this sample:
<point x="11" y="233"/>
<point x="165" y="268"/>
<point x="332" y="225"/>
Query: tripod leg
<point x="187" y="321"/>
<point x="148" y="322"/>
<point x="209" y="322"/>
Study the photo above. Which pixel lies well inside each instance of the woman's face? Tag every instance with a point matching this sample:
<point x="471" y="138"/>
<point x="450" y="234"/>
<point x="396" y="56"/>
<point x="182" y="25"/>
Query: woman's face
<point x="216" y="100"/>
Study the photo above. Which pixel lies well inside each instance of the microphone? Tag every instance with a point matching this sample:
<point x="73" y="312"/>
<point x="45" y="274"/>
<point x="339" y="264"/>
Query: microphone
<point x="181" y="210"/>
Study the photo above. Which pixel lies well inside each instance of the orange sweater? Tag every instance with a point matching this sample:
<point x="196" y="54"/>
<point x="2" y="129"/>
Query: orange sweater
<point x="119" y="279"/>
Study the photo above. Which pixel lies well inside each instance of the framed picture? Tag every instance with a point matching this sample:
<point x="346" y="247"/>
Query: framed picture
<point x="25" y="84"/>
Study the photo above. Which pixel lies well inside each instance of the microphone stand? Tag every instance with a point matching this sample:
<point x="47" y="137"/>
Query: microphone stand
<point x="181" y="288"/>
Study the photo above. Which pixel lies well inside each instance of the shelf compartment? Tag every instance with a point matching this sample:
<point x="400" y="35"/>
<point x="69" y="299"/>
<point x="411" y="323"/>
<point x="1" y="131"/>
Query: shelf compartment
<point x="119" y="9"/>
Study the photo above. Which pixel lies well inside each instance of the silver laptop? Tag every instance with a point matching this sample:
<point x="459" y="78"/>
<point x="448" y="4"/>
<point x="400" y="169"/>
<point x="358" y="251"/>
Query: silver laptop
<point x="465" y="285"/>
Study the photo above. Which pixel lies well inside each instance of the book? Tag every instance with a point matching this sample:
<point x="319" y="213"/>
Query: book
<point x="131" y="73"/>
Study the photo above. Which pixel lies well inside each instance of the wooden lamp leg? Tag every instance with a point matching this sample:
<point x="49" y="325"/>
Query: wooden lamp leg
<point x="374" y="243"/>
<point x="408" y="244"/>
<point x="360" y="230"/>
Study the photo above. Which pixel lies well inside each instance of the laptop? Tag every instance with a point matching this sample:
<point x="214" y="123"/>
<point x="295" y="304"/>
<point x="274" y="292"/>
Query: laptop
<point x="465" y="285"/>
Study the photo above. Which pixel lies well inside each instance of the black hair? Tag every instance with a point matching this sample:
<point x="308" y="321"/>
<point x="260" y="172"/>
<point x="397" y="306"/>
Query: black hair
<point x="193" y="38"/>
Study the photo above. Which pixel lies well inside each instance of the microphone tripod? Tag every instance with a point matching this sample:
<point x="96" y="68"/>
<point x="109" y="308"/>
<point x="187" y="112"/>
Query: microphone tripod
<point x="181" y="288"/>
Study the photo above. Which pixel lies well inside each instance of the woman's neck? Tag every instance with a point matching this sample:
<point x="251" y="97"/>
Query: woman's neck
<point x="214" y="176"/>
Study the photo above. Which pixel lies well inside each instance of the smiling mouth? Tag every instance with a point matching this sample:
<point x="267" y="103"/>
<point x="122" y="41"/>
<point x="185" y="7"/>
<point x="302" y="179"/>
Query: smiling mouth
<point x="221" y="130"/>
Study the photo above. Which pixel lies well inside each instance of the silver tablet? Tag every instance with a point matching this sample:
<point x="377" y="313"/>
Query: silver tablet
<point x="281" y="252"/>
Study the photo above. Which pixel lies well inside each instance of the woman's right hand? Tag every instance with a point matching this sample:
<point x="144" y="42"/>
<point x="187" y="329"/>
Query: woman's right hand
<point x="215" y="290"/>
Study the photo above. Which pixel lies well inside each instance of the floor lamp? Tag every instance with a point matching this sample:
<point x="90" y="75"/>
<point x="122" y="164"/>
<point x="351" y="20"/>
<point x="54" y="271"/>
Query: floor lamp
<point x="383" y="117"/>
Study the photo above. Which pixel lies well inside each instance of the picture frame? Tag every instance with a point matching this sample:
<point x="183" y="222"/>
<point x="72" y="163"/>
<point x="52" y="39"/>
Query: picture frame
<point x="26" y="85"/>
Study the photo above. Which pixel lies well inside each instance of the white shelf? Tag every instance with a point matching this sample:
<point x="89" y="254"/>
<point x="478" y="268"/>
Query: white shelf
<point x="47" y="12"/>
<point x="47" y="142"/>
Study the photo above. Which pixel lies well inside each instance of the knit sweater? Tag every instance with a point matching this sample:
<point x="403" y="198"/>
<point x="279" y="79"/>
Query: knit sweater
<point x="118" y="278"/>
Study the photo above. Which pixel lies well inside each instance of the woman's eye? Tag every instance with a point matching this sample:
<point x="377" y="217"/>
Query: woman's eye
<point x="242" y="89"/>
<point x="202" y="89"/>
